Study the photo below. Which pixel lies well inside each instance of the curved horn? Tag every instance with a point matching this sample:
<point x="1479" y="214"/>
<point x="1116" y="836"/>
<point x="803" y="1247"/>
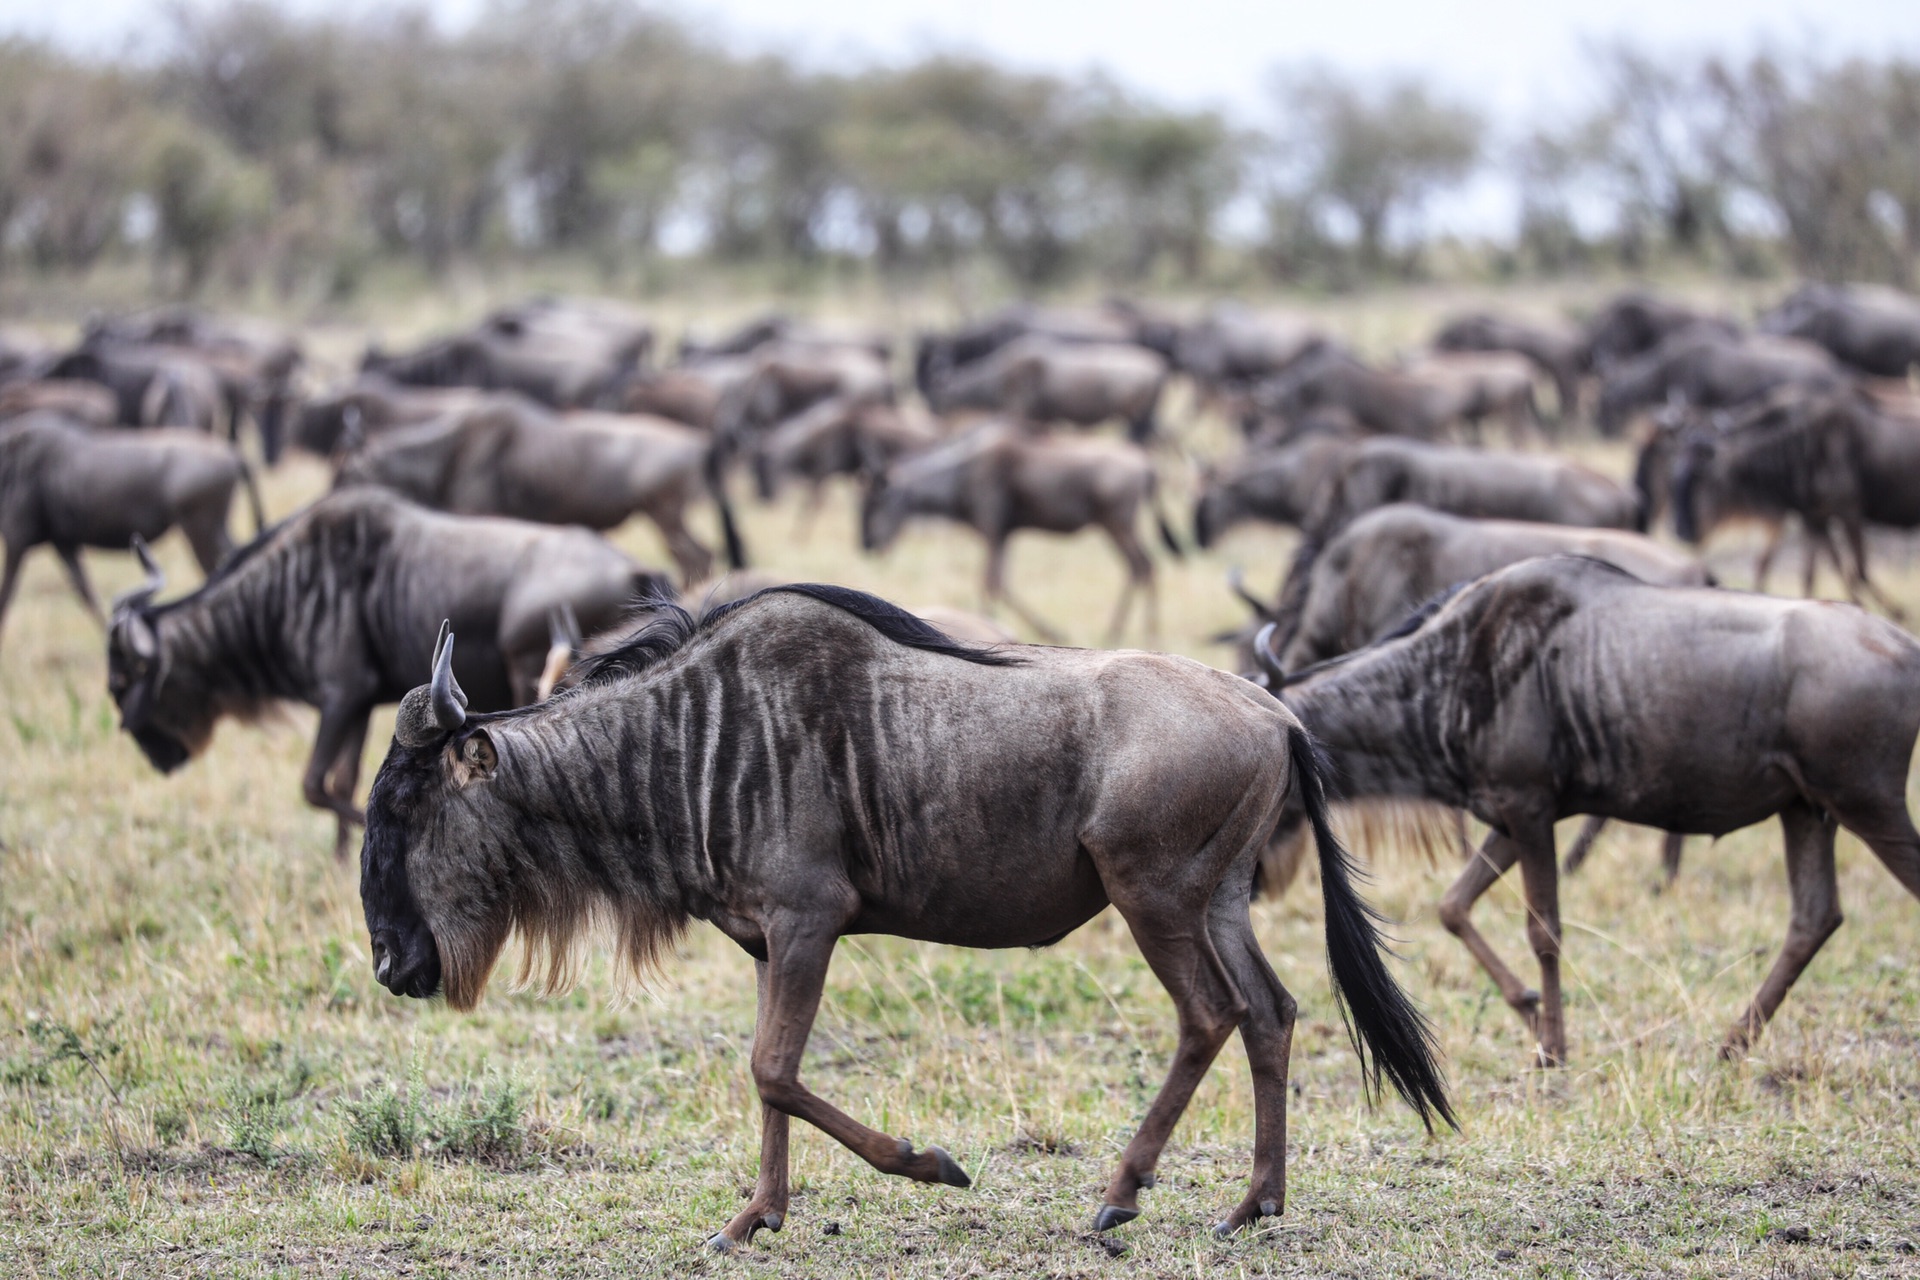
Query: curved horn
<point x="449" y="703"/>
<point x="1270" y="675"/>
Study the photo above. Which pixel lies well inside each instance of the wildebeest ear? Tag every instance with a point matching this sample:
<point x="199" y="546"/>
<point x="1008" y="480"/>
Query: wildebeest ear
<point x="477" y="759"/>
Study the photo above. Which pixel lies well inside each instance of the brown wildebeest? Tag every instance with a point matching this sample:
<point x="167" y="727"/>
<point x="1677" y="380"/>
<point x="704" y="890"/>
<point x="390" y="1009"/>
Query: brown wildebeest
<point x="1875" y="330"/>
<point x="73" y="398"/>
<point x="1384" y="401"/>
<point x="938" y="355"/>
<point x="1282" y="485"/>
<point x="326" y="607"/>
<point x="1233" y="345"/>
<point x="842" y="436"/>
<point x="566" y="353"/>
<point x="254" y="360"/>
<point x="1491" y="385"/>
<point x="76" y="486"/>
<point x="152" y="386"/>
<point x="1704" y="369"/>
<point x="689" y="393"/>
<point x="1555" y="350"/>
<point x="1832" y="459"/>
<point x="1482" y="483"/>
<point x="344" y="420"/>
<point x="509" y="457"/>
<point x="813" y="763"/>
<point x="998" y="480"/>
<point x="1565" y="686"/>
<point x="1635" y="323"/>
<point x="1042" y="380"/>
<point x="790" y="377"/>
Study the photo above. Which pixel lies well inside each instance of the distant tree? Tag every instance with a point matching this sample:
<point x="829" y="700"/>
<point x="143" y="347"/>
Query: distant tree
<point x="1171" y="173"/>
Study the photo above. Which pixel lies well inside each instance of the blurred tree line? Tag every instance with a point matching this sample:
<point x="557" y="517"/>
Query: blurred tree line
<point x="251" y="144"/>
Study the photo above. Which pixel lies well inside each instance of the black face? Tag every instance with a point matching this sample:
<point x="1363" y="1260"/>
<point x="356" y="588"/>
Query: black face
<point x="134" y="682"/>
<point x="406" y="960"/>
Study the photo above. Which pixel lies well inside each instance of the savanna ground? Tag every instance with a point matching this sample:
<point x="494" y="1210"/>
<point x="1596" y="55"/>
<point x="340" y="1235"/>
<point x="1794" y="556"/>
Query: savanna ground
<point x="199" y="1076"/>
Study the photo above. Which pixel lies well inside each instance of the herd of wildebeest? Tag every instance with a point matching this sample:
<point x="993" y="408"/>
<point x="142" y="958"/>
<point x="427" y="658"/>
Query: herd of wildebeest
<point x="1464" y="629"/>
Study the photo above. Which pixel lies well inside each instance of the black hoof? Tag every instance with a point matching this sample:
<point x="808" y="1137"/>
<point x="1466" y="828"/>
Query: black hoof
<point x="950" y="1171"/>
<point x="1224" y="1230"/>
<point x="719" y="1243"/>
<point x="1112" y="1215"/>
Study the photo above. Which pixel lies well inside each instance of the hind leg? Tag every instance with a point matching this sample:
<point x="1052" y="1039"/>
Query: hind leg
<point x="1815" y="916"/>
<point x="1583" y="843"/>
<point x="206" y="531"/>
<point x="1267" y="1033"/>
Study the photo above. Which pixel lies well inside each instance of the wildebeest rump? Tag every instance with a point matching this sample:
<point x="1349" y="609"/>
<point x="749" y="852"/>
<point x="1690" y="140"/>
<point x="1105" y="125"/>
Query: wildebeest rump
<point x="1637" y="322"/>
<point x="1565" y="686"/>
<point x="76" y="486"/>
<point x="998" y="480"/>
<point x="255" y="361"/>
<point x="1384" y="401"/>
<point x="814" y="763"/>
<point x="840" y="436"/>
<point x="331" y="608"/>
<point x="1875" y="330"/>
<point x="343" y="420"/>
<point x="152" y="386"/>
<point x="508" y="457"/>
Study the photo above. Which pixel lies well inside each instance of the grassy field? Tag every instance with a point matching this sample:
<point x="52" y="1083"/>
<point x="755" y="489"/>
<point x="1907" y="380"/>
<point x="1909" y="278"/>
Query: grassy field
<point x="199" y="1076"/>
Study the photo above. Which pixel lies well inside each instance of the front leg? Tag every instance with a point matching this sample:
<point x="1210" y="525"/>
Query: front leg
<point x="342" y="724"/>
<point x="767" y="1206"/>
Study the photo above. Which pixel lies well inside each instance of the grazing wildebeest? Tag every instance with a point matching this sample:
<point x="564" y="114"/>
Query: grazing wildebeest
<point x="1635" y="323"/>
<point x="938" y="355"/>
<point x="254" y="361"/>
<point x="74" y="398"/>
<point x="564" y="353"/>
<point x="813" y="763"/>
<point x="76" y="486"/>
<point x="1384" y="401"/>
<point x="1565" y="686"/>
<point x="1282" y="485"/>
<point x="343" y="420"/>
<point x="1043" y="380"/>
<point x="1556" y="351"/>
<point x="1703" y="369"/>
<point x="1832" y="459"/>
<point x="509" y="457"/>
<point x="690" y="393"/>
<point x="1874" y="330"/>
<point x="838" y="437"/>
<point x="330" y="608"/>
<point x="152" y="386"/>
<point x="1483" y="483"/>
<point x="998" y="480"/>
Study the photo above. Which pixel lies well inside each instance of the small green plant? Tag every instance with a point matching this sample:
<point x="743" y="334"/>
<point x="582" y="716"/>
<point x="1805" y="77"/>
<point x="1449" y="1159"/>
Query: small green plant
<point x="388" y="1122"/>
<point x="395" y="1123"/>
<point x="255" y="1117"/>
<point x="491" y="1127"/>
<point x="169" y="1125"/>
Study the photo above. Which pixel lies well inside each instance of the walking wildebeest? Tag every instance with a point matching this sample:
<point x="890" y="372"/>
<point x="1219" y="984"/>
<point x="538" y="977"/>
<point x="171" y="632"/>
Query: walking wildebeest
<point x="1557" y="352"/>
<point x="152" y="386"/>
<point x="1282" y="485"/>
<point x="838" y="437"/>
<point x="791" y="377"/>
<point x="1565" y="686"/>
<point x="690" y="393"/>
<point x="509" y="457"/>
<point x="329" y="608"/>
<point x="999" y="480"/>
<point x="1483" y="483"/>
<point x="342" y="421"/>
<point x="254" y="361"/>
<point x="1635" y="323"/>
<point x="1041" y="380"/>
<point x="564" y="353"/>
<point x="1707" y="370"/>
<point x="1875" y="330"/>
<point x="1384" y="401"/>
<point x="814" y="762"/>
<point x="76" y="486"/>
<point x="938" y="355"/>
<point x="1232" y="345"/>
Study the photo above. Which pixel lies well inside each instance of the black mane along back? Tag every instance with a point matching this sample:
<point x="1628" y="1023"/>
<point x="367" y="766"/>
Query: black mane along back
<point x="674" y="626"/>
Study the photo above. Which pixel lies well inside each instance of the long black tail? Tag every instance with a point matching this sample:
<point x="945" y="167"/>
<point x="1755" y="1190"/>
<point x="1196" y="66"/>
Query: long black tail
<point x="1392" y="1037"/>
<point x="252" y="487"/>
<point x="1167" y="537"/>
<point x="717" y="485"/>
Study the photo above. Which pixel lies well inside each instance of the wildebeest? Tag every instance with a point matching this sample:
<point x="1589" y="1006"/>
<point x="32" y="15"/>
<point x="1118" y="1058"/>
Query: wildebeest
<point x="562" y="352"/>
<point x="791" y="377"/>
<point x="1042" y="380"/>
<point x="1234" y="345"/>
<point x="1490" y="385"/>
<point x="509" y="457"/>
<point x="1565" y="686"/>
<point x="1555" y="351"/>
<point x="813" y="763"/>
<point x="998" y="480"/>
<point x="1830" y="458"/>
<point x="1384" y="401"/>
<point x="938" y="355"/>
<point x="1635" y="323"/>
<point x="1703" y="369"/>
<point x="1875" y="330"/>
<point x="75" y="486"/>
<point x="343" y="420"/>
<point x="255" y="361"/>
<point x="837" y="437"/>
<point x="1282" y="485"/>
<point x="74" y="398"/>
<point x="1483" y="483"/>
<point x="331" y="607"/>
<point x="690" y="393"/>
<point x="152" y="386"/>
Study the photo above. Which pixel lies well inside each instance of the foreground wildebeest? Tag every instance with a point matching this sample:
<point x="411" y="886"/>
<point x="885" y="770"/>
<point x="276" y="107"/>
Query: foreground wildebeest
<point x="813" y="763"/>
<point x="938" y="355"/>
<point x="1703" y="369"/>
<point x="1635" y="323"/>
<point x="330" y="608"/>
<point x="1830" y="458"/>
<point x="76" y="486"/>
<point x="1282" y="485"/>
<point x="998" y="480"/>
<point x="1875" y="330"/>
<point x="1566" y="686"/>
<point x="1483" y="483"/>
<point x="1557" y="352"/>
<point x="1043" y="380"/>
<point x="343" y="420"/>
<point x="509" y="457"/>
<point x="254" y="361"/>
